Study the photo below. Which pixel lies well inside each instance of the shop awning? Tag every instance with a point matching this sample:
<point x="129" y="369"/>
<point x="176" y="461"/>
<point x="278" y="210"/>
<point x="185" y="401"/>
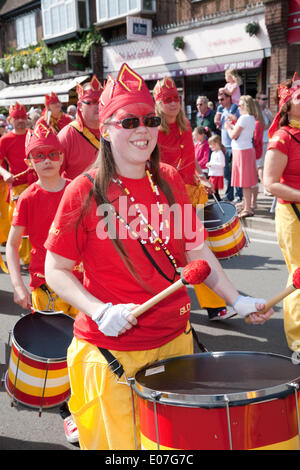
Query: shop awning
<point x="34" y="93"/>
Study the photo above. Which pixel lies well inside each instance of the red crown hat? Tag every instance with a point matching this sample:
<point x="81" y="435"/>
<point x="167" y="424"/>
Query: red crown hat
<point x="285" y="94"/>
<point x="128" y="88"/>
<point x="39" y="137"/>
<point x="51" y="99"/>
<point x="17" y="111"/>
<point x="164" y="89"/>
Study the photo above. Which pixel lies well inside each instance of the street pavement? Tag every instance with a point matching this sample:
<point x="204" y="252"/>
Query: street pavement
<point x="259" y="271"/>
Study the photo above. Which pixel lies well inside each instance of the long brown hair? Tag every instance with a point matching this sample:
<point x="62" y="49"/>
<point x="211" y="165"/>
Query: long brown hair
<point x="283" y="113"/>
<point x="181" y="120"/>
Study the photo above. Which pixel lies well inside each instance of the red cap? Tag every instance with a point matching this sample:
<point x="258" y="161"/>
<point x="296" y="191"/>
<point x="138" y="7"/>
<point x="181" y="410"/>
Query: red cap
<point x="17" y="111"/>
<point x="128" y="88"/>
<point x="164" y="89"/>
<point x="39" y="137"/>
<point x="285" y="94"/>
<point x="51" y="99"/>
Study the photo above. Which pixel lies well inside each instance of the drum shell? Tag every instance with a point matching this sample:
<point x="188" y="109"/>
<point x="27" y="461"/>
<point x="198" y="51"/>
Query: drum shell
<point x="227" y="238"/>
<point x="264" y="419"/>
<point x="34" y="380"/>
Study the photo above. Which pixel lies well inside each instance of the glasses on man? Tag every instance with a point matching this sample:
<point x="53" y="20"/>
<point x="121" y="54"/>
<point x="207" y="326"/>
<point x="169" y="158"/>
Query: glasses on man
<point x="134" y="122"/>
<point x="41" y="157"/>
<point x="200" y="104"/>
<point x="263" y="99"/>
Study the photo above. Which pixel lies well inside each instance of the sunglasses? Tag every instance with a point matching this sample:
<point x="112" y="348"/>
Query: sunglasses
<point x="90" y="102"/>
<point x="263" y="99"/>
<point x="41" y="157"/>
<point x="134" y="122"/>
<point x="171" y="99"/>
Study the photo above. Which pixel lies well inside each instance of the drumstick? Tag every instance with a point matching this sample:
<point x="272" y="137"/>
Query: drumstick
<point x="193" y="273"/>
<point x="21" y="174"/>
<point x="281" y="295"/>
<point x="219" y="205"/>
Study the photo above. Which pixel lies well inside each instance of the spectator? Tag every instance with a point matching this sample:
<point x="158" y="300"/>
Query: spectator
<point x="205" y="116"/>
<point x="202" y="152"/>
<point x="262" y="100"/>
<point x="71" y="111"/>
<point x="244" y="172"/>
<point x="227" y="108"/>
<point x="232" y="87"/>
<point x="216" y="164"/>
<point x="258" y="146"/>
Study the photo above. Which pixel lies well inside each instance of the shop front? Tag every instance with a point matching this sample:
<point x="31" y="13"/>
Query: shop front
<point x="208" y="49"/>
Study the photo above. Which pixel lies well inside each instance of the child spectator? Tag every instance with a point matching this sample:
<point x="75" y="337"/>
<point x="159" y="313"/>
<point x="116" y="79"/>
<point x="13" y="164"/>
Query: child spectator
<point x="232" y="87"/>
<point x="202" y="152"/>
<point x="216" y="164"/>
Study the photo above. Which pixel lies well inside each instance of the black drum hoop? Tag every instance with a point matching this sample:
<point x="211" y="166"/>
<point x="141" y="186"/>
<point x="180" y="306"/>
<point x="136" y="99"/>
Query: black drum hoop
<point x="218" y="400"/>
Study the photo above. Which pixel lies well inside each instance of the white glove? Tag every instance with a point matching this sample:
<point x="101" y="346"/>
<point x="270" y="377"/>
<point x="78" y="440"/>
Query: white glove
<point x="111" y="319"/>
<point x="246" y="305"/>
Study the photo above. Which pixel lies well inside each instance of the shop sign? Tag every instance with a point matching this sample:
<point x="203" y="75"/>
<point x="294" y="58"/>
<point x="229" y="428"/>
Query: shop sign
<point x="294" y="22"/>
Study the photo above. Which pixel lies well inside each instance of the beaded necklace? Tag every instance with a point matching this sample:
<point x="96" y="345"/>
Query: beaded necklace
<point x="154" y="239"/>
<point x="294" y="123"/>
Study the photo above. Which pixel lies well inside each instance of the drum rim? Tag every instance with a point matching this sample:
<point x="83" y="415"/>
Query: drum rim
<point x="217" y="227"/>
<point x="30" y="355"/>
<point x="218" y="400"/>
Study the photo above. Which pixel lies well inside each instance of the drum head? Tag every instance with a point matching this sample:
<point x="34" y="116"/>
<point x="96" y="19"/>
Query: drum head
<point x="46" y="336"/>
<point x="207" y="377"/>
<point x="214" y="217"/>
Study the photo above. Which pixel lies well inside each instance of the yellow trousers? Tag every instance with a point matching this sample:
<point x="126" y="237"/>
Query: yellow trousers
<point x="4" y="212"/>
<point x="25" y="246"/>
<point x="102" y="406"/>
<point x="43" y="301"/>
<point x="208" y="298"/>
<point x="288" y="234"/>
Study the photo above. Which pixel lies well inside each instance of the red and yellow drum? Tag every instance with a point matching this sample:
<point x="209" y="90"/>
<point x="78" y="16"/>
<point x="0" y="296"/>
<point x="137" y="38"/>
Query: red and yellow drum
<point x="220" y="401"/>
<point x="37" y="375"/>
<point x="226" y="237"/>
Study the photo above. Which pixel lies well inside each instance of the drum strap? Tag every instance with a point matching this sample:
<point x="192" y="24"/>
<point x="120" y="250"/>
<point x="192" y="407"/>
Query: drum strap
<point x="113" y="363"/>
<point x="296" y="210"/>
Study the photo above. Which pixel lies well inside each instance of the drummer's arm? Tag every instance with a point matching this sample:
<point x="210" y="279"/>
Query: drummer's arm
<point x="6" y="175"/>
<point x="21" y="294"/>
<point x="59" y="276"/>
<point x="221" y="285"/>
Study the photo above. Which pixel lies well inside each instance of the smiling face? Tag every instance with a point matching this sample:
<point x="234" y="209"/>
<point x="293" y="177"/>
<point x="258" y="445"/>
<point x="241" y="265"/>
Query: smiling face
<point x="294" y="112"/>
<point x="131" y="148"/>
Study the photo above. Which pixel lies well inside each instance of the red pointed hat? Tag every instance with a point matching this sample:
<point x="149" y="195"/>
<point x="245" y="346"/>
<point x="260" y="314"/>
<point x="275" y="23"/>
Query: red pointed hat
<point x="128" y="88"/>
<point x="17" y="111"/>
<point x="39" y="137"/>
<point x="164" y="89"/>
<point x="93" y="92"/>
<point x="285" y="94"/>
<point x="51" y="99"/>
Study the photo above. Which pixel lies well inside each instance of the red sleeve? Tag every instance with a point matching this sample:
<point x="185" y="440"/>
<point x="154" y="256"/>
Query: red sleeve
<point x="280" y="141"/>
<point x="20" y="215"/>
<point x="258" y="139"/>
<point x="68" y="232"/>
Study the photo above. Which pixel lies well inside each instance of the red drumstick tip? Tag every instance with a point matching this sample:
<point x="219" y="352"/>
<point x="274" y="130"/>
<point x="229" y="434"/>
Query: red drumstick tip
<point x="296" y="278"/>
<point x="195" y="272"/>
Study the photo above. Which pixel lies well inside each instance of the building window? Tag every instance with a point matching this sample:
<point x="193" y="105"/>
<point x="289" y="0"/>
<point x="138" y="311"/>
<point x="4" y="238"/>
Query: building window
<point x="110" y="9"/>
<point x="61" y="17"/>
<point x="26" y="30"/>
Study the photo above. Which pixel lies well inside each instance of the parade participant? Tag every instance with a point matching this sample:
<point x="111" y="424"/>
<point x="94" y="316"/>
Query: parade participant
<point x="35" y="211"/>
<point x="80" y="139"/>
<point x="4" y="206"/>
<point x="125" y="264"/>
<point x="175" y="142"/>
<point x="282" y="179"/>
<point x="12" y="151"/>
<point x="52" y="115"/>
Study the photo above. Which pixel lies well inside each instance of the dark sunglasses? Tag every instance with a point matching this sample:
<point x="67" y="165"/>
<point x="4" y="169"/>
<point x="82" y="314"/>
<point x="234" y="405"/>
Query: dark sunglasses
<point x="134" y="122"/>
<point x="263" y="99"/>
<point x="90" y="102"/>
<point x="53" y="156"/>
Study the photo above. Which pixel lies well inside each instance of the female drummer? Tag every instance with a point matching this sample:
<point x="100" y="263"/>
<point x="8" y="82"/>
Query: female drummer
<point x="117" y="217"/>
<point x="175" y="142"/>
<point x="282" y="179"/>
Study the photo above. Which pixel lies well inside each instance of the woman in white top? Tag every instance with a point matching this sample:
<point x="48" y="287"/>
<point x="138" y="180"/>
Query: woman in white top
<point x="244" y="173"/>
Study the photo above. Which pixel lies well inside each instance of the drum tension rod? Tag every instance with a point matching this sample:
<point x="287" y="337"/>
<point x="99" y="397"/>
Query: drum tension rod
<point x="295" y="386"/>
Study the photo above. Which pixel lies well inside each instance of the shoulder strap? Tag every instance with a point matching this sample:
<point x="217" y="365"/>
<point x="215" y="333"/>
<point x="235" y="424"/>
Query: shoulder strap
<point x="86" y="134"/>
<point x="295" y="138"/>
<point x="296" y="210"/>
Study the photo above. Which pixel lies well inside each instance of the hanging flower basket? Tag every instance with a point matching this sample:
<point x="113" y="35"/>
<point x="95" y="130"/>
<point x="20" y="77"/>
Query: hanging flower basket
<point x="178" y="43"/>
<point x="252" y="28"/>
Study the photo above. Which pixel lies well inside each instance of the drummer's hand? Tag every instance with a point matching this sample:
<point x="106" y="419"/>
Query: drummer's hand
<point x="132" y="320"/>
<point x="22" y="297"/>
<point x="259" y="319"/>
<point x="210" y="189"/>
<point x="115" y="319"/>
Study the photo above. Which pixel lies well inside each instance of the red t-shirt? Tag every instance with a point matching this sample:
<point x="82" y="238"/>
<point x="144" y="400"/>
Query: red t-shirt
<point x="287" y="145"/>
<point x="79" y="153"/>
<point x="12" y="149"/>
<point x="35" y="210"/>
<point x="106" y="275"/>
<point x="258" y="139"/>
<point x="177" y="149"/>
<point x="59" y="123"/>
